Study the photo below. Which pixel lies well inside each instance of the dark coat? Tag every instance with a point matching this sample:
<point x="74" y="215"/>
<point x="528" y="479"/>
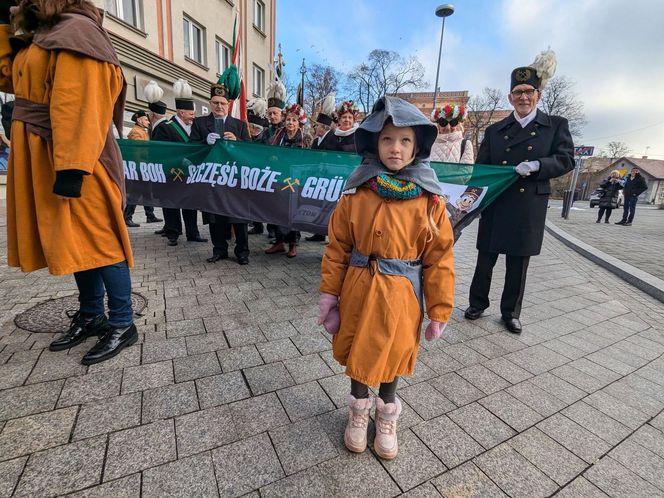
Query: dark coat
<point x="338" y="143"/>
<point x="199" y="131"/>
<point x="204" y="125"/>
<point x="634" y="187"/>
<point x="268" y="133"/>
<point x="611" y="194"/>
<point x="166" y="132"/>
<point x="514" y="223"/>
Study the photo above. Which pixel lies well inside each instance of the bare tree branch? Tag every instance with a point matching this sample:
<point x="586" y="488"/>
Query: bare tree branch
<point x="558" y="98"/>
<point x="481" y="109"/>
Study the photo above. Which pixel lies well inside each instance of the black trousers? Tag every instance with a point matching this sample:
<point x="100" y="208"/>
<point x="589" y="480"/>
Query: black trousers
<point x="173" y="223"/>
<point x="130" y="209"/>
<point x="515" y="283"/>
<point x="283" y="235"/>
<point x="220" y="233"/>
<point x="603" y="210"/>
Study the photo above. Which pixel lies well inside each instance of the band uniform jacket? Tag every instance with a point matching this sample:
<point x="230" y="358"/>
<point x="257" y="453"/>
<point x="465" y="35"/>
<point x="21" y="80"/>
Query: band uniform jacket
<point x="514" y="223"/>
<point x="199" y="131"/>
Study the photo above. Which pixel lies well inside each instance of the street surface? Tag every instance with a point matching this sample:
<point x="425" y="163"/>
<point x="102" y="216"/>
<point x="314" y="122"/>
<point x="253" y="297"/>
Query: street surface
<point x="232" y="388"/>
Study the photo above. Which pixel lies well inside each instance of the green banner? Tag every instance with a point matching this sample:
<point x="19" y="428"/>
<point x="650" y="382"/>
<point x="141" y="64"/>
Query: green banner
<point x="296" y="188"/>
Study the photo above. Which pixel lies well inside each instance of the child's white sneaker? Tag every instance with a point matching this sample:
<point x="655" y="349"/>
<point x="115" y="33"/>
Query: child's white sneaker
<point x="387" y="414"/>
<point x="355" y="436"/>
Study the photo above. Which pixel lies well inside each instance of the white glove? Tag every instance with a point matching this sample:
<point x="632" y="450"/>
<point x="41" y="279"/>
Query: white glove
<point x="527" y="167"/>
<point x="212" y="138"/>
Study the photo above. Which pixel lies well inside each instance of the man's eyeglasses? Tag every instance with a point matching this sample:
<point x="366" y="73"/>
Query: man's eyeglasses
<point x="219" y="104"/>
<point x="444" y="122"/>
<point x="528" y="93"/>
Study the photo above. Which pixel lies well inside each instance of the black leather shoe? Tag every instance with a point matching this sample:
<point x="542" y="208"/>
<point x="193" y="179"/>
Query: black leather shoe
<point x="217" y="257"/>
<point x="131" y="223"/>
<point x="316" y="238"/>
<point x="628" y="224"/>
<point x="161" y="231"/>
<point x="80" y="329"/>
<point x="619" y="223"/>
<point x="172" y="242"/>
<point x="255" y="231"/>
<point x="512" y="324"/>
<point x="152" y="219"/>
<point x="112" y="342"/>
<point x="243" y="261"/>
<point x="197" y="238"/>
<point x="473" y="313"/>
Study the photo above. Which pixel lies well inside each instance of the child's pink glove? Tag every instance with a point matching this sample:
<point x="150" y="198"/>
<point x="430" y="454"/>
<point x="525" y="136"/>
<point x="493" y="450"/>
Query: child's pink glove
<point x="434" y="330"/>
<point x="328" y="315"/>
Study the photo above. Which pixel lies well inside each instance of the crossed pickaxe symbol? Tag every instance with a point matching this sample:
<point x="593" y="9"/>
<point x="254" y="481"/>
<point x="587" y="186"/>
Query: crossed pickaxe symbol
<point x="290" y="184"/>
<point x="177" y="174"/>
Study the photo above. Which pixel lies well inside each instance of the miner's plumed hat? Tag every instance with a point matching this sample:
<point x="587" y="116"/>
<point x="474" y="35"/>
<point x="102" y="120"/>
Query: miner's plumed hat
<point x="228" y="85"/>
<point x="536" y="74"/>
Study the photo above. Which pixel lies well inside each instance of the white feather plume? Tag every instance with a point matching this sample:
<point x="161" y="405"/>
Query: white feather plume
<point x="181" y="89"/>
<point x="153" y="92"/>
<point x="328" y="104"/>
<point x="545" y="65"/>
<point x="258" y="106"/>
<point x="276" y="90"/>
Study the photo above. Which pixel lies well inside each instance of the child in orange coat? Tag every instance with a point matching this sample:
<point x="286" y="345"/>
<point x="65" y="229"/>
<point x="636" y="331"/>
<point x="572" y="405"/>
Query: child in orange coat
<point x="389" y="258"/>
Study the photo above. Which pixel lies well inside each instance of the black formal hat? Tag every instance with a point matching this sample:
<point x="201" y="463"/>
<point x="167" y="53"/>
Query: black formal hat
<point x="525" y="76"/>
<point x="183" y="96"/>
<point x="138" y="114"/>
<point x="158" y="107"/>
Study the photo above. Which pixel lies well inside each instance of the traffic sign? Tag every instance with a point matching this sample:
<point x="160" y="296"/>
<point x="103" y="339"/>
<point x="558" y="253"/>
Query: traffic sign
<point x="584" y="150"/>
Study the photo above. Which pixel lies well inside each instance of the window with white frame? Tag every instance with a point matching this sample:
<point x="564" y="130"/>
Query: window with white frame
<point x="194" y="41"/>
<point x="259" y="15"/>
<point x="259" y="81"/>
<point x="130" y="11"/>
<point x="223" y="53"/>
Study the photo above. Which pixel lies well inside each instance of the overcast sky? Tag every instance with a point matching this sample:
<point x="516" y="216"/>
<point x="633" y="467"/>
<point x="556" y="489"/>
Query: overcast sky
<point x="613" y="50"/>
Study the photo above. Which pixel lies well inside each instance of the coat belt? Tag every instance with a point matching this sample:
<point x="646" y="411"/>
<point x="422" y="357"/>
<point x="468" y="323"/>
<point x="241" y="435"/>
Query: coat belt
<point x="37" y="118"/>
<point x="411" y="269"/>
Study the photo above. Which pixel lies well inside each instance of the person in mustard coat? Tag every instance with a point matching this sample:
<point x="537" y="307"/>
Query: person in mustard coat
<point x="65" y="184"/>
<point x="389" y="258"/>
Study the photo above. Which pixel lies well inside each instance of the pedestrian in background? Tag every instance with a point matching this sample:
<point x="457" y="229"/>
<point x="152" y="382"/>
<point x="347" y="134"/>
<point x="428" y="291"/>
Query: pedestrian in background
<point x="390" y="255"/>
<point x="609" y="200"/>
<point x="634" y="186"/>
<point x="140" y="131"/>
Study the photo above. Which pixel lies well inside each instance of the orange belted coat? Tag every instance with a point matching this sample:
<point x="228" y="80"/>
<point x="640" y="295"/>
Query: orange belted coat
<point x="43" y="230"/>
<point x="379" y="335"/>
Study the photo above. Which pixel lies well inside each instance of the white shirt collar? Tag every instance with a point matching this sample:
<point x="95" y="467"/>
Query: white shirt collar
<point x="525" y="121"/>
<point x="186" y="127"/>
<point x="320" y="139"/>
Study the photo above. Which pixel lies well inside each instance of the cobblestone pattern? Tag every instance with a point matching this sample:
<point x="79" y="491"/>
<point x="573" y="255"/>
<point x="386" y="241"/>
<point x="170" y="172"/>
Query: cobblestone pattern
<point x="641" y="245"/>
<point x="232" y="388"/>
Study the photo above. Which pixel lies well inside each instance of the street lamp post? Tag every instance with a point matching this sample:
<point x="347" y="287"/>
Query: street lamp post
<point x="300" y="96"/>
<point x="445" y="10"/>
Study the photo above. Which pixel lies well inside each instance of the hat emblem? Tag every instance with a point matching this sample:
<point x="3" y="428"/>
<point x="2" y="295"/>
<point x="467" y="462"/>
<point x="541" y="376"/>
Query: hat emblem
<point x="219" y="90"/>
<point x="523" y="74"/>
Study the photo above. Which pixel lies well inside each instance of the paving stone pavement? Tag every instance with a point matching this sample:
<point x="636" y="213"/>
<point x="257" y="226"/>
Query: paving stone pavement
<point x="641" y="245"/>
<point x="232" y="389"/>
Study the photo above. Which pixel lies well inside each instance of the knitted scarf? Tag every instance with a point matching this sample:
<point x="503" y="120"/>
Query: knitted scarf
<point x="392" y="188"/>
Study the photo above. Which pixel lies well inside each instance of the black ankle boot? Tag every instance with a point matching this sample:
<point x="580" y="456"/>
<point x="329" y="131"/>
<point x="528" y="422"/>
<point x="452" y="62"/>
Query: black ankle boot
<point x="81" y="328"/>
<point x="113" y="341"/>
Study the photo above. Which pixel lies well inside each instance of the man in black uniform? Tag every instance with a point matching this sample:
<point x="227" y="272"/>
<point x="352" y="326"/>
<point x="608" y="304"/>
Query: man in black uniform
<point x="208" y="129"/>
<point x="178" y="129"/>
<point x="541" y="147"/>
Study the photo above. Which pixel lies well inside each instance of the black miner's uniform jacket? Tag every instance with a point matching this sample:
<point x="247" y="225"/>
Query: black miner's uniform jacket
<point x="203" y="126"/>
<point x="514" y="223"/>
